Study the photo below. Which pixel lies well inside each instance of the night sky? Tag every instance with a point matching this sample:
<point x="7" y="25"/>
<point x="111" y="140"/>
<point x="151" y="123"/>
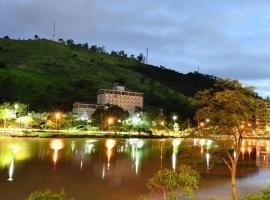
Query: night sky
<point x="229" y="39"/>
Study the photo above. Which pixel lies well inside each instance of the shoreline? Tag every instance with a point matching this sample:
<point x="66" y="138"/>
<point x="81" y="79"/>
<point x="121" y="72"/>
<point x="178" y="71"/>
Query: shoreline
<point x="93" y="134"/>
<point x="80" y="134"/>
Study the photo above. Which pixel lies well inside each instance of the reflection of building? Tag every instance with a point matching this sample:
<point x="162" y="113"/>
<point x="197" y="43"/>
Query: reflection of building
<point x="120" y="97"/>
<point x="117" y="96"/>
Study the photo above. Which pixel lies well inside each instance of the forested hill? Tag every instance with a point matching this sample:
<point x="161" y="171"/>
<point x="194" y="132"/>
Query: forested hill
<point x="47" y="74"/>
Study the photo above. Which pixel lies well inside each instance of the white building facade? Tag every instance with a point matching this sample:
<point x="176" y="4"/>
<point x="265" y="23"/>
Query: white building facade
<point x="117" y="96"/>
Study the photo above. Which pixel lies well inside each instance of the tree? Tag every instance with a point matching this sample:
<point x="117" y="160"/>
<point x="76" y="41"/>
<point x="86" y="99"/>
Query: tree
<point x="36" y="37"/>
<point x="227" y="115"/>
<point x="70" y="42"/>
<point x="93" y="48"/>
<point x="140" y="58"/>
<point x="6" y="37"/>
<point x="102" y="115"/>
<point x="61" y="41"/>
<point x="184" y="181"/>
<point x="6" y="113"/>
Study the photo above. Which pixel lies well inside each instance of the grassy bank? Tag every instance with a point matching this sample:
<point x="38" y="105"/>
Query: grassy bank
<point x="76" y="134"/>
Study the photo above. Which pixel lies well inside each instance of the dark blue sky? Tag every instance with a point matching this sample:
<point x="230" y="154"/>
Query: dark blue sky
<point x="229" y="39"/>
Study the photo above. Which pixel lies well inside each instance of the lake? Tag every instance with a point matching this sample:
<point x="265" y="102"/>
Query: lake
<point x="118" y="169"/>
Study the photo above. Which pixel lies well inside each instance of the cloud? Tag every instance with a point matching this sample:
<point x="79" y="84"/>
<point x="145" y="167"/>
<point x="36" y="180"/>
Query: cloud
<point x="225" y="38"/>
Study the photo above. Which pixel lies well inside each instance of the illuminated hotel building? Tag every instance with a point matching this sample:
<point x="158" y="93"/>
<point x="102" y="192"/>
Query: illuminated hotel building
<point x="117" y="96"/>
<point x="120" y="97"/>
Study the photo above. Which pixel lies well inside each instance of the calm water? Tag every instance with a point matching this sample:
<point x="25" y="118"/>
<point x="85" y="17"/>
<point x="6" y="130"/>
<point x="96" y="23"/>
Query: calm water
<point x="118" y="169"/>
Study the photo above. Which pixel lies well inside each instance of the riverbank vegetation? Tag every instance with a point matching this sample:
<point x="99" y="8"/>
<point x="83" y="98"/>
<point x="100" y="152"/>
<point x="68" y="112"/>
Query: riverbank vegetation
<point x="17" y="120"/>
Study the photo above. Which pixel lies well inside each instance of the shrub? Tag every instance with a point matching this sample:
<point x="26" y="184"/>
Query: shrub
<point x="48" y="195"/>
<point x="264" y="195"/>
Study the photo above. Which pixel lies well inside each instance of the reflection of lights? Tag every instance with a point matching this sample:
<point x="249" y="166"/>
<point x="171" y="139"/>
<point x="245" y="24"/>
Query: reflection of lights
<point x="73" y="146"/>
<point x="207" y="156"/>
<point x="103" y="172"/>
<point x="234" y="154"/>
<point x="209" y="142"/>
<point x="194" y="141"/>
<point x="243" y="149"/>
<point x="110" y="143"/>
<point x="81" y="165"/>
<point x="174" y="160"/>
<point x="56" y="145"/>
<point x="202" y="142"/>
<point x="15" y="148"/>
<point x="136" y="142"/>
<point x="11" y="170"/>
<point x="176" y="142"/>
<point x="89" y="146"/>
<point x="137" y="161"/>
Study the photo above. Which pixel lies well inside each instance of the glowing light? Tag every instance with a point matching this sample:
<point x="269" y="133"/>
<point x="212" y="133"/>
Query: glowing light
<point x="57" y="115"/>
<point x="202" y="124"/>
<point x="162" y="123"/>
<point x="207" y="120"/>
<point x="136" y="120"/>
<point x="174" y="118"/>
<point x="110" y="121"/>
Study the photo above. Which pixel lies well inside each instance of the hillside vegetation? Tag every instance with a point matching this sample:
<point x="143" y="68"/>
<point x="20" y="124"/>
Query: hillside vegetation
<point x="47" y="75"/>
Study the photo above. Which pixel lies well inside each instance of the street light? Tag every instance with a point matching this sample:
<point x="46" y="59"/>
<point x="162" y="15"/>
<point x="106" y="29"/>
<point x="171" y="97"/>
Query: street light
<point x="57" y="116"/>
<point x="174" y="118"/>
<point x="110" y="121"/>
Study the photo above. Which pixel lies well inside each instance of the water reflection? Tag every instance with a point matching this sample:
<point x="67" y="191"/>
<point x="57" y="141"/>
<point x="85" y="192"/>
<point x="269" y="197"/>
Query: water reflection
<point x="56" y="145"/>
<point x="11" y="170"/>
<point x="110" y="143"/>
<point x="118" y="161"/>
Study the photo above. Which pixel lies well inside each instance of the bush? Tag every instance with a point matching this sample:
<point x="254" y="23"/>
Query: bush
<point x="264" y="195"/>
<point x="48" y="195"/>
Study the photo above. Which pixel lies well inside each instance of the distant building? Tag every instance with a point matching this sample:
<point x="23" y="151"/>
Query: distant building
<point x="117" y="96"/>
<point x="84" y="110"/>
<point x="120" y="97"/>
